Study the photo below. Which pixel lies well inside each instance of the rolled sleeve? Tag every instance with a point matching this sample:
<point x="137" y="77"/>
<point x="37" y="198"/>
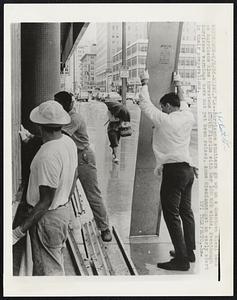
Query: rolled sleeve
<point x="149" y="109"/>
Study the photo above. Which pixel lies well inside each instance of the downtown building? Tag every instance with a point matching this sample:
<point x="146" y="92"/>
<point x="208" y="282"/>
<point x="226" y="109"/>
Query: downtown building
<point x="71" y="76"/>
<point x="187" y="59"/>
<point x="109" y="41"/>
<point x="135" y="60"/>
<point x="87" y="77"/>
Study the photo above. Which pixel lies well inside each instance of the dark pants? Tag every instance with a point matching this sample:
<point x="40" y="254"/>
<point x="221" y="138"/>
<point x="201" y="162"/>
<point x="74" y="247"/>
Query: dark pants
<point x="113" y="134"/>
<point x="176" y="187"/>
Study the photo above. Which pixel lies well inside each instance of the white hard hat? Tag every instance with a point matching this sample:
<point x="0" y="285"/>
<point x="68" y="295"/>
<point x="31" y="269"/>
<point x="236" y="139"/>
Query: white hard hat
<point x="50" y="113"/>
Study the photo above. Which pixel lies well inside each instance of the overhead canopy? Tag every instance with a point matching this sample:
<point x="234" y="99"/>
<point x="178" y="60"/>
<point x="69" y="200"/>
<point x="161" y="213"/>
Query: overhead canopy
<point x="71" y="34"/>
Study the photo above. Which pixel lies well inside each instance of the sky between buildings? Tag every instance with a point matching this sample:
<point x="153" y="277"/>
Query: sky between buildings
<point x="90" y="34"/>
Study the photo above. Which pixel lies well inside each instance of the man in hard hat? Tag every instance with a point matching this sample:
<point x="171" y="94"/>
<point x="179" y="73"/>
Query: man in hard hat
<point x="52" y="173"/>
<point x="87" y="171"/>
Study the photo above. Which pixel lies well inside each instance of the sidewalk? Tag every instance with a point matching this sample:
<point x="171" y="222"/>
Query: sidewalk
<point x="116" y="184"/>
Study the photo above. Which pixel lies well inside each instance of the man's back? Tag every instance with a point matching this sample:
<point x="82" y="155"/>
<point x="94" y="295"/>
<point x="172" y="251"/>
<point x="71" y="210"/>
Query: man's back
<point x="54" y="165"/>
<point x="77" y="129"/>
<point x="171" y="137"/>
<point x="172" y="132"/>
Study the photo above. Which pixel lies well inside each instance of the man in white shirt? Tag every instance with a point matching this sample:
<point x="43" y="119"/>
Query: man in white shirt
<point x="171" y="139"/>
<point x="52" y="174"/>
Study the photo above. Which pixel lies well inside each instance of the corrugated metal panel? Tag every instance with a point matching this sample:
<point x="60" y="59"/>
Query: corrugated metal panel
<point x="16" y="105"/>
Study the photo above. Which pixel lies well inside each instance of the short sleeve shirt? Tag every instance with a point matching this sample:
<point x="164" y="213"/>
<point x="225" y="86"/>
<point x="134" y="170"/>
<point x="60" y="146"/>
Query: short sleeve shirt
<point x="54" y="166"/>
<point x="77" y="130"/>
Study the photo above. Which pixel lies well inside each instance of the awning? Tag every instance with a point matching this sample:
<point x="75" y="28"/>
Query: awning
<point x="71" y="34"/>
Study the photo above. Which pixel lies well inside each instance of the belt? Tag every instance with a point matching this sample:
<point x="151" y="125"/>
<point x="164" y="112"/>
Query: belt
<point x="81" y="150"/>
<point x="30" y="207"/>
<point x="184" y="164"/>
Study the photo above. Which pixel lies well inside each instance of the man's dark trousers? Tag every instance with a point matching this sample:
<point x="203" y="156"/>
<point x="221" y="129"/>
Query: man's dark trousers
<point x="176" y="187"/>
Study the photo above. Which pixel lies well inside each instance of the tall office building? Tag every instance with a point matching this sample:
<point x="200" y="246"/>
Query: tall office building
<point x="71" y="76"/>
<point x="187" y="58"/>
<point x="87" y="82"/>
<point x="135" y="60"/>
<point x="79" y="52"/>
<point x="109" y="41"/>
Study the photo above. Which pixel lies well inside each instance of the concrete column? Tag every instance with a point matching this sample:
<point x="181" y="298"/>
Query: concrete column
<point x="161" y="61"/>
<point x="40" y="45"/>
<point x="16" y="106"/>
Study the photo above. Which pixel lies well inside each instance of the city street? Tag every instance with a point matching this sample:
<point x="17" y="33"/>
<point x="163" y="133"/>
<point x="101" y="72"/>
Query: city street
<point x="116" y="183"/>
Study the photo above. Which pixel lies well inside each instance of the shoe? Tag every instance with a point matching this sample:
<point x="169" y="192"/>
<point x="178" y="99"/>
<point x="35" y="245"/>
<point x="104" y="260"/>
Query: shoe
<point x="106" y="235"/>
<point x="191" y="255"/>
<point x="115" y="160"/>
<point x="174" y="265"/>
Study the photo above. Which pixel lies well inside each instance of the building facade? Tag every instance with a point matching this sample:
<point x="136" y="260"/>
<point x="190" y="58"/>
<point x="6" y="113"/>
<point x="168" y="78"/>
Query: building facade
<point x="136" y="54"/>
<point x="136" y="60"/>
<point x="187" y="58"/>
<point x="88" y="72"/>
<point x="71" y="76"/>
<point x="109" y="41"/>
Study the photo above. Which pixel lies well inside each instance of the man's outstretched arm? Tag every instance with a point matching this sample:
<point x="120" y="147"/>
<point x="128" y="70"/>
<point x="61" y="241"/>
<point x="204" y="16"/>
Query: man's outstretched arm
<point x="149" y="109"/>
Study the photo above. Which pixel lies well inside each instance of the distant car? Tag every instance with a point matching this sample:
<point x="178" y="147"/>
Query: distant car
<point x="84" y="96"/>
<point x="113" y="96"/>
<point x="132" y="96"/>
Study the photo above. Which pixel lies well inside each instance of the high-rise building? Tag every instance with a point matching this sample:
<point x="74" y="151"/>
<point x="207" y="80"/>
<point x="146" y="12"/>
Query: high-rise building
<point x="71" y="75"/>
<point x="79" y="52"/>
<point x="88" y="70"/>
<point x="109" y="41"/>
<point x="135" y="60"/>
<point x="187" y="58"/>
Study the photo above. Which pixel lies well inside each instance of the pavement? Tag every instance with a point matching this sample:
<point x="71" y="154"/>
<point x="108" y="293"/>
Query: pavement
<point x="116" y="184"/>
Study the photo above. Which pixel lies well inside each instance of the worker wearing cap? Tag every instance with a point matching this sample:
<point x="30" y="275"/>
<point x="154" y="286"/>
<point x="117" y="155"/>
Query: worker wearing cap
<point x="52" y="173"/>
<point x="171" y="139"/>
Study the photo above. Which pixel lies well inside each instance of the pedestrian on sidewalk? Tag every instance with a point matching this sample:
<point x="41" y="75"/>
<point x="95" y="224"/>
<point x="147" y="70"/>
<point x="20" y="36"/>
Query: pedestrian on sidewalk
<point x="52" y="174"/>
<point x="87" y="172"/>
<point x="119" y="119"/>
<point x="171" y="140"/>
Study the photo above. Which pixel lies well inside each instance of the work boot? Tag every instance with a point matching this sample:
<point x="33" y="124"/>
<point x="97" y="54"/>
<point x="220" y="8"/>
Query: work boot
<point x="106" y="235"/>
<point x="174" y="265"/>
<point x="191" y="255"/>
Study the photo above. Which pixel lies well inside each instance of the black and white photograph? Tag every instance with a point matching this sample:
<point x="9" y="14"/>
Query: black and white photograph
<point x="118" y="139"/>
